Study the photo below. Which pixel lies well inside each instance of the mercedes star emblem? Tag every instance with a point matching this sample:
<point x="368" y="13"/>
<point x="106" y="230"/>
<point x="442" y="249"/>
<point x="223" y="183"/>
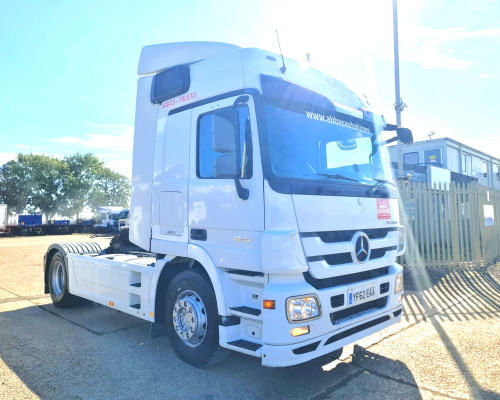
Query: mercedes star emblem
<point x="361" y="251"/>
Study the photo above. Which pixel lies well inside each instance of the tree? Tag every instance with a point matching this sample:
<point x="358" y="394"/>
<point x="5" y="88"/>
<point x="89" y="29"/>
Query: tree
<point x="34" y="183"/>
<point x="64" y="187"/>
<point x="90" y="183"/>
<point x="111" y="189"/>
<point x="13" y="191"/>
<point x="83" y="172"/>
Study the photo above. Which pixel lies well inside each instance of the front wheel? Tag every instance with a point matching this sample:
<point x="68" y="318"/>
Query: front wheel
<point x="191" y="318"/>
<point x="58" y="283"/>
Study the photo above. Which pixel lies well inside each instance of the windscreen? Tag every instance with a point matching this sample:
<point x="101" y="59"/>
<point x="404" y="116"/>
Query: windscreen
<point x="310" y="142"/>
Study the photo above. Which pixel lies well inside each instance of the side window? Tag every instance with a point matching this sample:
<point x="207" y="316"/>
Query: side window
<point x="410" y="158"/>
<point x="206" y="153"/>
<point x="433" y="157"/>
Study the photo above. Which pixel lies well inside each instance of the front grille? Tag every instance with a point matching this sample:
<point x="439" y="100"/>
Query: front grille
<point x="333" y="259"/>
<point x="346" y="236"/>
<point x="347" y="312"/>
<point x="384" y="287"/>
<point x="346" y="258"/>
<point x="379" y="253"/>
<point x="344" y="279"/>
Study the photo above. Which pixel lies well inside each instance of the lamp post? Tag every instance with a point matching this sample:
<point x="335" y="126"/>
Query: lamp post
<point x="398" y="105"/>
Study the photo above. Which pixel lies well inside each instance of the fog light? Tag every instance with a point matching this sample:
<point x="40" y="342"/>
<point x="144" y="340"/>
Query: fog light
<point x="303" y="308"/>
<point x="299" y="331"/>
<point x="398" y="287"/>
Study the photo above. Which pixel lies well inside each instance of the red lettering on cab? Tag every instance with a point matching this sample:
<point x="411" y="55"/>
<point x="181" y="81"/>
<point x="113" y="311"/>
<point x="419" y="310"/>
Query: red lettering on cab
<point x="178" y="100"/>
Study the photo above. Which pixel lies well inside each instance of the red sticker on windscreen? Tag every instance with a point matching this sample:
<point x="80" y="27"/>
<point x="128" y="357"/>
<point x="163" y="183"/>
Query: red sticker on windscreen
<point x="383" y="209"/>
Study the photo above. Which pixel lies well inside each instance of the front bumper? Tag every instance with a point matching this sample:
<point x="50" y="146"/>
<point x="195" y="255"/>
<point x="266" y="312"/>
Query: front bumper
<point x="292" y="354"/>
<point x="339" y="325"/>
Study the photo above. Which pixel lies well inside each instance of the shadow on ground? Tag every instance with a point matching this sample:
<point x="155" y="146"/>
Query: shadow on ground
<point x="454" y="294"/>
<point x="92" y="352"/>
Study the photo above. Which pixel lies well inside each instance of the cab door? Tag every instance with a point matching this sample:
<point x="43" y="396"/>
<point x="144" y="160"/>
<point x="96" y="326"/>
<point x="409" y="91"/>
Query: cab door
<point x="220" y="219"/>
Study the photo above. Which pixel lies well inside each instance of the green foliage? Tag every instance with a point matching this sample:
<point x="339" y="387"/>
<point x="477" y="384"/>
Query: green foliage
<point x="83" y="173"/>
<point x="65" y="187"/>
<point x="111" y="189"/>
<point x="13" y="190"/>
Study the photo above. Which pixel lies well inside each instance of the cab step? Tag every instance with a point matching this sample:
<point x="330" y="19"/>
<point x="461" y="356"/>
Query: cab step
<point x="245" y="347"/>
<point x="246" y="277"/>
<point x="245" y="344"/>
<point x="246" y="312"/>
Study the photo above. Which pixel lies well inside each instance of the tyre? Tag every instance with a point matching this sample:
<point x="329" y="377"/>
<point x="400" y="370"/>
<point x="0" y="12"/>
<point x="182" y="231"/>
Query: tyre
<point x="191" y="319"/>
<point x="58" y="283"/>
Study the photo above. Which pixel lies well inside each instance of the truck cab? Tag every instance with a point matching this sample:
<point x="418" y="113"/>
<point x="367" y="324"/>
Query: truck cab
<point x="262" y="195"/>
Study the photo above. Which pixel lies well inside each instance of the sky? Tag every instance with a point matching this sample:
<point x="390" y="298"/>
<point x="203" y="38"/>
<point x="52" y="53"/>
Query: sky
<point x="69" y="68"/>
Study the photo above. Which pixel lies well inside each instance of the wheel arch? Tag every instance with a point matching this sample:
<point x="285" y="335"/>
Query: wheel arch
<point x="65" y="249"/>
<point x="168" y="268"/>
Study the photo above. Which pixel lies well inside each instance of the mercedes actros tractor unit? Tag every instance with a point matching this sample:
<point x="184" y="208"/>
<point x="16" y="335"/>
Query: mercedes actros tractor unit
<point x="264" y="218"/>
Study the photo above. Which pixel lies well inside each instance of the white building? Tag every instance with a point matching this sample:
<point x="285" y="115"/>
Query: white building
<point x="451" y="155"/>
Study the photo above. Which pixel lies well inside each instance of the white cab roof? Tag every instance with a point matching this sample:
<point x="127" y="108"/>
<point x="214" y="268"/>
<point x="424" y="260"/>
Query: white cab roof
<point x="158" y="57"/>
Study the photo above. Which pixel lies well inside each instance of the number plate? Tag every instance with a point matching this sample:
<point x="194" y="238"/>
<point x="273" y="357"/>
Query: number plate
<point x="359" y="296"/>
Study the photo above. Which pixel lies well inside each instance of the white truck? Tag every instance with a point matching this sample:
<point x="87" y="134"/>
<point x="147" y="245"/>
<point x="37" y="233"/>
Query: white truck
<point x="123" y="219"/>
<point x="3" y="219"/>
<point x="263" y="215"/>
<point x="106" y="216"/>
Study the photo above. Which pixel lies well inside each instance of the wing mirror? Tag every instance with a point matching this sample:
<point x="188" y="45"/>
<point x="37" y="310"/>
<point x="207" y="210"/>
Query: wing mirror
<point x="404" y="135"/>
<point x="226" y="140"/>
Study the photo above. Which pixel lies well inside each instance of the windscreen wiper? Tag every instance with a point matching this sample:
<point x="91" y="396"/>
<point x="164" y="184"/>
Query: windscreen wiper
<point x="380" y="183"/>
<point x="339" y="176"/>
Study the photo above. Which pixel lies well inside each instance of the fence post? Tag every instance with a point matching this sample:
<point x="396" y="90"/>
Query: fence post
<point x="454" y="224"/>
<point x="475" y="223"/>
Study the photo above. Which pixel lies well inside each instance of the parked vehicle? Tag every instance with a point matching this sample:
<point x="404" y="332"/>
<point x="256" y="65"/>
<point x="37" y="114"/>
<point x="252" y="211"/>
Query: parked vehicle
<point x="30" y="224"/>
<point x="58" y="227"/>
<point x="4" y="220"/>
<point x="123" y="219"/>
<point x="263" y="215"/>
<point x="107" y="216"/>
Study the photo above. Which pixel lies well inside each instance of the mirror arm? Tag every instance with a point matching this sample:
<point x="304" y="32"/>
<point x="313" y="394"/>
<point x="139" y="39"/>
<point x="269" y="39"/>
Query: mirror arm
<point x="240" y="100"/>
<point x="243" y="193"/>
<point x="390" y="127"/>
<point x="386" y="142"/>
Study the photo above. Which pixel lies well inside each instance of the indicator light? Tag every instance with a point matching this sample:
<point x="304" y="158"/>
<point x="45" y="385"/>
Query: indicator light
<point x="269" y="304"/>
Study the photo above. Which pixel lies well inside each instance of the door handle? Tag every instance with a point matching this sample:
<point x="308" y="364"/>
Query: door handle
<point x="199" y="234"/>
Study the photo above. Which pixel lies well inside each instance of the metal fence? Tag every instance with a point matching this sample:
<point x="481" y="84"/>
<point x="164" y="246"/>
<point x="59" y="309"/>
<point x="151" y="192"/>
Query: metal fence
<point x="450" y="225"/>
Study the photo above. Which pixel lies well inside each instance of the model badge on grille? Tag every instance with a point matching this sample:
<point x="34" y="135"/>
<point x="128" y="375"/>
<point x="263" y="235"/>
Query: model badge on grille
<point x="361" y="251"/>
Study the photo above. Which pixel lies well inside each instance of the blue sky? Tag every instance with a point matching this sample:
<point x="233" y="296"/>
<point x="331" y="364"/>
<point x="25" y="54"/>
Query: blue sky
<point x="68" y="68"/>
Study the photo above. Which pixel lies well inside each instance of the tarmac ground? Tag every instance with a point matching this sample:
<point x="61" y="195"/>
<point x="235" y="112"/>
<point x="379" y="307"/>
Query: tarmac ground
<point x="447" y="346"/>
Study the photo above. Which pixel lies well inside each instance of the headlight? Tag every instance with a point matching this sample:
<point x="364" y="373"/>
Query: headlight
<point x="302" y="308"/>
<point x="398" y="287"/>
